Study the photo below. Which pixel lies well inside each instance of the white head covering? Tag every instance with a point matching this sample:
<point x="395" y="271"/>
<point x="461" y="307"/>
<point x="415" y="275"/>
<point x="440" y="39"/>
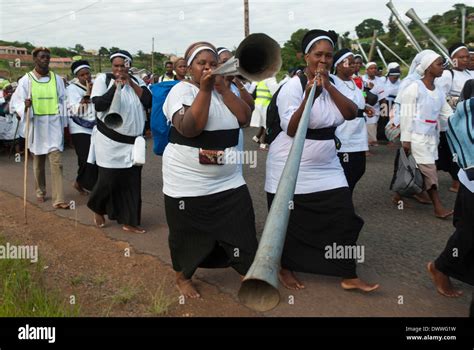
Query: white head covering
<point x="428" y="58"/>
<point x="370" y="64"/>
<point x="412" y="73"/>
<point x="392" y="65"/>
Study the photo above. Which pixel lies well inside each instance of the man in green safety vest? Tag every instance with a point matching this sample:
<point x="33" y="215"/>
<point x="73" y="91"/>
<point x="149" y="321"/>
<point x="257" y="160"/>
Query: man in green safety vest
<point x="265" y="90"/>
<point x="44" y="92"/>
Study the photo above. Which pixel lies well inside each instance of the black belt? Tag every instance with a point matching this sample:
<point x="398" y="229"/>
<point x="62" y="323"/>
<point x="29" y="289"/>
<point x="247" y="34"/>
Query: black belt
<point x="216" y="140"/>
<point x="360" y="113"/>
<point x="114" y="135"/>
<point x="321" y="134"/>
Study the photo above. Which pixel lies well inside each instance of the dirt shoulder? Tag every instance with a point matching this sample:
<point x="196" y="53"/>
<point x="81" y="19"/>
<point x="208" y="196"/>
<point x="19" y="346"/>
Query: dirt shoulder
<point x="104" y="276"/>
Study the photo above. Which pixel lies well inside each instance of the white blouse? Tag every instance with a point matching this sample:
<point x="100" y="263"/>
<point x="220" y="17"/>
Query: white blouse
<point x="46" y="132"/>
<point x="74" y="97"/>
<point x="379" y="90"/>
<point x="106" y="152"/>
<point x="352" y="133"/>
<point x="320" y="168"/>
<point x="183" y="175"/>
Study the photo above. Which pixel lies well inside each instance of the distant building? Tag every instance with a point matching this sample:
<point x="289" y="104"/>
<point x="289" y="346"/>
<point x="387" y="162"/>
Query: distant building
<point x="60" y="62"/>
<point x="12" y="50"/>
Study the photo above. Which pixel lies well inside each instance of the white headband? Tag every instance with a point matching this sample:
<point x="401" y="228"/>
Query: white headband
<point x="119" y="54"/>
<point x="343" y="57"/>
<point x="317" y="39"/>
<point x="223" y="50"/>
<point x="458" y="49"/>
<point x="370" y="64"/>
<point x="202" y="48"/>
<point x="80" y="67"/>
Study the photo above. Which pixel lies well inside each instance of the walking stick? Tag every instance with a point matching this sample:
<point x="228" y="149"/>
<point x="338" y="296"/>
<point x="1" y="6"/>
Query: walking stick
<point x="27" y="136"/>
<point x="14" y="139"/>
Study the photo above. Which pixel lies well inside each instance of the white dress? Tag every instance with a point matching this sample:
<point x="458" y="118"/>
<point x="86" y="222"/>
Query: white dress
<point x="320" y="168"/>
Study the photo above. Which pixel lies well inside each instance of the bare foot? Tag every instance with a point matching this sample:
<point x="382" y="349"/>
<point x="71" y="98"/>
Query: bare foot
<point x="79" y="188"/>
<point x="357" y="283"/>
<point x="454" y="186"/>
<point x="442" y="282"/>
<point x="41" y="199"/>
<point x="289" y="280"/>
<point x="186" y="287"/>
<point x="134" y="229"/>
<point x="423" y="198"/>
<point x="443" y="213"/>
<point x="61" y="206"/>
<point x="99" y="220"/>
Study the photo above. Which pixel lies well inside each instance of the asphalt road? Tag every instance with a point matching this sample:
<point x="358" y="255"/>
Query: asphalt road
<point x="398" y="243"/>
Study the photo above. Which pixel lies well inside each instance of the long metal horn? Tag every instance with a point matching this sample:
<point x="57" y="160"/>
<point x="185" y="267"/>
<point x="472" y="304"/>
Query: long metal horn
<point x="439" y="45"/>
<point x="392" y="52"/>
<point x="113" y="119"/>
<point x="259" y="289"/>
<point x="258" y="57"/>
<point x="381" y="56"/>
<point x="403" y="27"/>
<point x="362" y="51"/>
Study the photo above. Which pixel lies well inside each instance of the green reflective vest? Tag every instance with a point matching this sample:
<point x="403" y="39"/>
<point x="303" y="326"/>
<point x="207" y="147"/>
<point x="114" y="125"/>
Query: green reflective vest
<point x="44" y="96"/>
<point x="263" y="94"/>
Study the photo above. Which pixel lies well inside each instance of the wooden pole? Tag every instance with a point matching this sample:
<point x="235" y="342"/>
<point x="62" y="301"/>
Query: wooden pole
<point x="25" y="170"/>
<point x="246" y="18"/>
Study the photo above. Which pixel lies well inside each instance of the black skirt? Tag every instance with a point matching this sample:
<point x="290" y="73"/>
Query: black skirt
<point x="86" y="172"/>
<point x="212" y="231"/>
<point x="117" y="194"/>
<point x="353" y="164"/>
<point x="457" y="258"/>
<point x="445" y="157"/>
<point x="320" y="220"/>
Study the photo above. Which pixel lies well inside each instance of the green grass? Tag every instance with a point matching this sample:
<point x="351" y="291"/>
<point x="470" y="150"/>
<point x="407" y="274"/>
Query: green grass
<point x="23" y="292"/>
<point x="160" y="302"/>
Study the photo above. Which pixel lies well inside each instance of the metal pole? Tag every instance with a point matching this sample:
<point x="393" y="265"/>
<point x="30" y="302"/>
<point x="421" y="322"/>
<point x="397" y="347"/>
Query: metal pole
<point x="152" y="54"/>
<point x="393" y="53"/>
<point x="362" y="51"/>
<point x="246" y="18"/>
<point x="372" y="46"/>
<point x="463" y="24"/>
<point x="381" y="56"/>
<point x="405" y="31"/>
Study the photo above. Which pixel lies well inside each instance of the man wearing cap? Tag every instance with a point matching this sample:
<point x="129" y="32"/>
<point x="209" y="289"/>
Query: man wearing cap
<point x="81" y="121"/>
<point x="46" y="131"/>
<point x="452" y="81"/>
<point x="117" y="192"/>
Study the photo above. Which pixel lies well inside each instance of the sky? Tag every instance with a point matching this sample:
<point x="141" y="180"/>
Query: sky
<point x="175" y="24"/>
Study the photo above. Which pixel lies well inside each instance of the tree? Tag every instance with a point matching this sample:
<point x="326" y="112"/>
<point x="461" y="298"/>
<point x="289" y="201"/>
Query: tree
<point x="103" y="51"/>
<point x="113" y="49"/>
<point x="367" y="27"/>
<point x="78" y="48"/>
<point x="291" y="52"/>
<point x="392" y="28"/>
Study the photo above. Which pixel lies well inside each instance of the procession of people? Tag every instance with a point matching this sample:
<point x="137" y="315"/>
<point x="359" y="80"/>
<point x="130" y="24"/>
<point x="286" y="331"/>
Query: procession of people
<point x="208" y="205"/>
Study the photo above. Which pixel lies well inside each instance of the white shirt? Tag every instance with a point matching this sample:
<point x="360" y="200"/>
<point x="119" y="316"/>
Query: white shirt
<point x="352" y="133"/>
<point x="320" y="168"/>
<point x="424" y="147"/>
<point x="183" y="175"/>
<point x="452" y="81"/>
<point x="46" y="131"/>
<point x="106" y="152"/>
<point x="391" y="90"/>
<point x="8" y="125"/>
<point x="379" y="90"/>
<point x="74" y="97"/>
<point x="465" y="181"/>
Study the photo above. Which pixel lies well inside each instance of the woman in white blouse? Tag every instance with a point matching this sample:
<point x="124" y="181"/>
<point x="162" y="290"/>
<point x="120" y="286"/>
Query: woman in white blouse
<point x="422" y="106"/>
<point x="208" y="206"/>
<point x="323" y="218"/>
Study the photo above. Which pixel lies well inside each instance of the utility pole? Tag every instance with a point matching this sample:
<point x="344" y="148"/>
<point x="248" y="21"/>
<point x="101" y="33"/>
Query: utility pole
<point x="372" y="47"/>
<point x="152" y="54"/>
<point x="246" y="18"/>
<point x="463" y="24"/>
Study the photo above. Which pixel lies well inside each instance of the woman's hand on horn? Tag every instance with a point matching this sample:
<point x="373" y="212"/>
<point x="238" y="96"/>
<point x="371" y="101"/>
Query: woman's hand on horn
<point x="207" y="80"/>
<point x="222" y="85"/>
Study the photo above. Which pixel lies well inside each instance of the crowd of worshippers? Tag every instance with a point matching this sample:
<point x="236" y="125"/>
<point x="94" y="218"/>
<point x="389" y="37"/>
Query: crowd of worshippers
<point x="351" y="114"/>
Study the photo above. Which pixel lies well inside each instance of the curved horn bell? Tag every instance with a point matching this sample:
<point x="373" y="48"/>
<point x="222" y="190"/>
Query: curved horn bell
<point x="113" y="119"/>
<point x="257" y="58"/>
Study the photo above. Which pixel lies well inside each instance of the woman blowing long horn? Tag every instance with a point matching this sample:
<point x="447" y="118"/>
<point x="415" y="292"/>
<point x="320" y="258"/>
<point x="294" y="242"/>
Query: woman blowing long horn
<point x="208" y="206"/>
<point x="117" y="192"/>
<point x="323" y="216"/>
